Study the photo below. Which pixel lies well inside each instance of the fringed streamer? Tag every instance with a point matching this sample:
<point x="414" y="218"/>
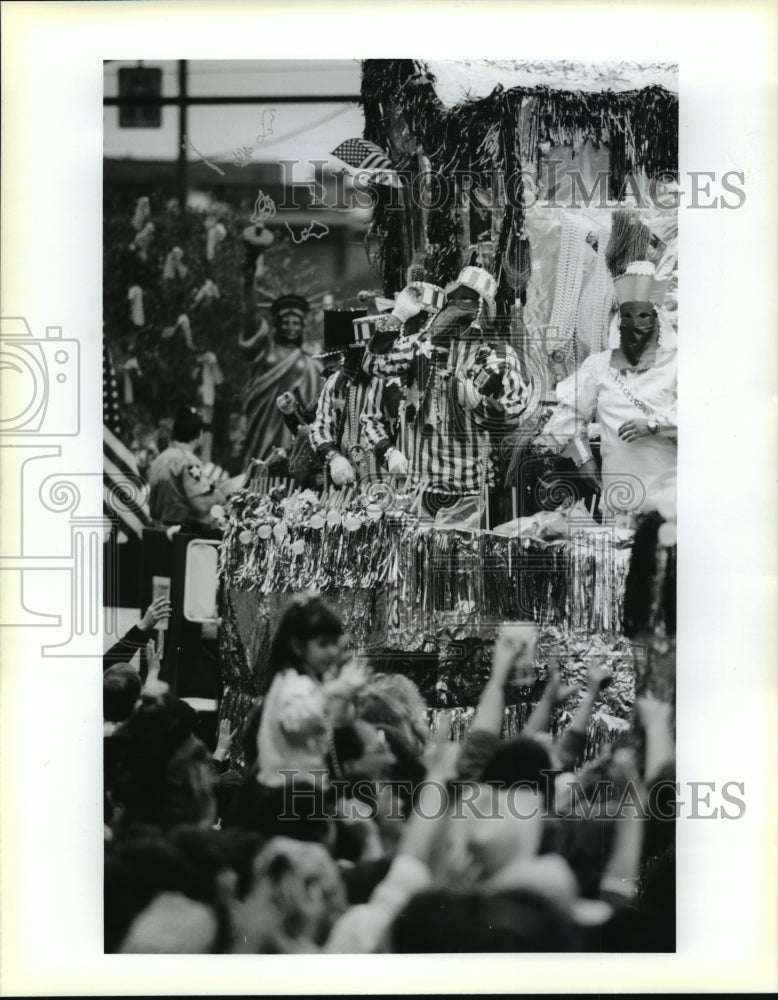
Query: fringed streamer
<point x="128" y="369"/>
<point x="142" y="214"/>
<point x="207" y="292"/>
<point x="214" y="236"/>
<point x="142" y="240"/>
<point x="174" y="266"/>
<point x="211" y="377"/>
<point x="450" y="664"/>
<point x="487" y="136"/>
<point x="286" y="544"/>
<point x="135" y="298"/>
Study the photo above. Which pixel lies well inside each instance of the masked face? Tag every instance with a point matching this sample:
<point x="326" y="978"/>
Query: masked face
<point x="352" y="363"/>
<point x="465" y="299"/>
<point x="456" y="316"/>
<point x="637" y="325"/>
<point x="289" y="329"/>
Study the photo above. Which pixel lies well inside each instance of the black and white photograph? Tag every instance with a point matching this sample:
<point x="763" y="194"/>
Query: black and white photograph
<point x="412" y="483"/>
<point x="390" y="360"/>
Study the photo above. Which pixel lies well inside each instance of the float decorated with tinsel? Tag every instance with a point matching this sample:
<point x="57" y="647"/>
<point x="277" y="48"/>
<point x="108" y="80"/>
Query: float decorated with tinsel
<point x="469" y="154"/>
<point x="426" y="599"/>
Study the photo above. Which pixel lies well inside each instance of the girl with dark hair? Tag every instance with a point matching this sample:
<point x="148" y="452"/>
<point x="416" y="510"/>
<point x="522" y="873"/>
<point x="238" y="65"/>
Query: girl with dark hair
<point x="306" y="639"/>
<point x="299" y="709"/>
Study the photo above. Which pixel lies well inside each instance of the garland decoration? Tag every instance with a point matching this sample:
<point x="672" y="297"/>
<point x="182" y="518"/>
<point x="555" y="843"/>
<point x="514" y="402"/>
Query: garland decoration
<point x="276" y="544"/>
<point x="569" y="278"/>
<point x="505" y="132"/>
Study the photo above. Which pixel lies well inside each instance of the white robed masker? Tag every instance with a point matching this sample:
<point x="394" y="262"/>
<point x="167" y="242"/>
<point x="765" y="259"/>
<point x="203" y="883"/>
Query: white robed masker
<point x="636" y="473"/>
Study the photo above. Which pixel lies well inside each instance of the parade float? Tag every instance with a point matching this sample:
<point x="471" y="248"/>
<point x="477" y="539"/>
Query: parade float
<point x="484" y="142"/>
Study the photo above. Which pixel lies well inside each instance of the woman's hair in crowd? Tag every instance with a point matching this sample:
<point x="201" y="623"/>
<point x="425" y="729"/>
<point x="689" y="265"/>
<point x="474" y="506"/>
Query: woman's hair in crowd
<point x="121" y="690"/>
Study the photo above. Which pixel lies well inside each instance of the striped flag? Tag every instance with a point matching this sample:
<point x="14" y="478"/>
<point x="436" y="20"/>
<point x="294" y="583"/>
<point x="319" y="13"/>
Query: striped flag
<point x="364" y="155"/>
<point x="112" y="417"/>
<point x="125" y="492"/>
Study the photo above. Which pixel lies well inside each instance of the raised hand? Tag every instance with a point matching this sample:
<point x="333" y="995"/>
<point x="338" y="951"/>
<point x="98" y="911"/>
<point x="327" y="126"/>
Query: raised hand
<point x="154" y="687"/>
<point x="407" y="304"/>
<point x="225" y="737"/>
<point x="443" y="757"/>
<point x="653" y="712"/>
<point x="158" y="611"/>
<point x="514" y="648"/>
<point x="598" y="676"/>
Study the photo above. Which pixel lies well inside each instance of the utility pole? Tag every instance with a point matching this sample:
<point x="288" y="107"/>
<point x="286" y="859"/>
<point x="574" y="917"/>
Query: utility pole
<point x="182" y="131"/>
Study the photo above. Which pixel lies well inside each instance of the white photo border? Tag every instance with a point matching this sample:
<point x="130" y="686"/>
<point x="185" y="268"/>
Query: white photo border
<point x="51" y="929"/>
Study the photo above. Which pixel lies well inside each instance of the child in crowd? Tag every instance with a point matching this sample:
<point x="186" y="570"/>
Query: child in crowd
<point x="301" y="705"/>
<point x="389" y="840"/>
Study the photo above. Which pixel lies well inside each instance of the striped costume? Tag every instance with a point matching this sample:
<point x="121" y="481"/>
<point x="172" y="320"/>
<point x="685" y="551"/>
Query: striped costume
<point x="338" y="427"/>
<point x="448" y="446"/>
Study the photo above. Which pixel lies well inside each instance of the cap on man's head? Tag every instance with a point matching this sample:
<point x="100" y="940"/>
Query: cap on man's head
<point x="187" y="424"/>
<point x="478" y="280"/>
<point x="639" y="283"/>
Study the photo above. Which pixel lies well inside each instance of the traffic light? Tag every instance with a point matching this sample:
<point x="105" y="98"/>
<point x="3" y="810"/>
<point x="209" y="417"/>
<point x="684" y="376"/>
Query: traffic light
<point x="143" y="84"/>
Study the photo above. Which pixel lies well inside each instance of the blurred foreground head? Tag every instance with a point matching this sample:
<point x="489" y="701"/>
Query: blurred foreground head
<point x="296" y="897"/>
<point x="443" y="920"/>
<point x="158" y="772"/>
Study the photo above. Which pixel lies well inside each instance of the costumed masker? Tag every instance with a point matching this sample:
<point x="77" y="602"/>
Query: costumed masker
<point x="631" y="391"/>
<point x="460" y="385"/>
<point x="413" y="323"/>
<point x="350" y="399"/>
<point x="280" y="364"/>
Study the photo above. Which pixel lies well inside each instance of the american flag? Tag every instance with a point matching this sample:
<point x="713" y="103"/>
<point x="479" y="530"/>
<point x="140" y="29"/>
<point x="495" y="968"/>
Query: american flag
<point x="363" y="155"/>
<point x="112" y="417"/>
<point x="125" y="493"/>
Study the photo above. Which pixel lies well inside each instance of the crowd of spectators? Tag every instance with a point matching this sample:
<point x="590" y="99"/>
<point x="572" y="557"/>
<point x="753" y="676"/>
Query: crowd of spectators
<point x="348" y="828"/>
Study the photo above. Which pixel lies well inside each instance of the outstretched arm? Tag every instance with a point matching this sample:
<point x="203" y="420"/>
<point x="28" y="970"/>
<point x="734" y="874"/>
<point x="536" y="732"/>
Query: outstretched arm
<point x="553" y="694"/>
<point x="620" y="879"/>
<point x="574" y="740"/>
<point x="515" y="646"/>
<point x="654" y="716"/>
<point x="136" y="639"/>
<point x="514" y="649"/>
<point x="363" y="929"/>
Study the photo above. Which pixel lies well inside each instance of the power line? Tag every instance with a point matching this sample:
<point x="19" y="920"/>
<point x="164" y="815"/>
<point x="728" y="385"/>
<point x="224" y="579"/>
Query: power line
<point x="295" y="132"/>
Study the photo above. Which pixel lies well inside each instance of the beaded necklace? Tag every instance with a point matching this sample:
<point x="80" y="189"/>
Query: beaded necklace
<point x="353" y="449"/>
<point x="432" y="390"/>
<point x="616" y="376"/>
<point x="569" y="275"/>
<point x="433" y="394"/>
